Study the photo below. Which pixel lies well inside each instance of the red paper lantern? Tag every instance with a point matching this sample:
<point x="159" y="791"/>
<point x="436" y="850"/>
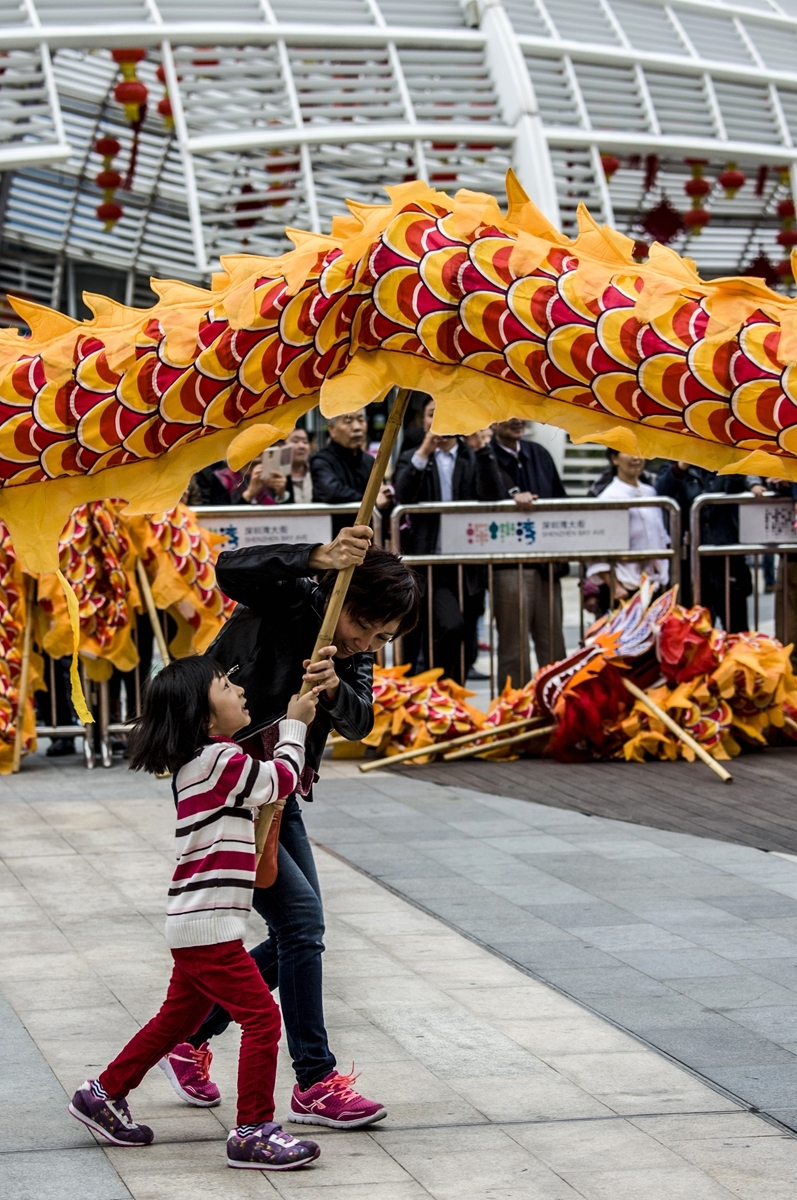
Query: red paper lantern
<point x="784" y="270"/>
<point x="787" y="238"/>
<point x="695" y="219"/>
<point x="610" y="164"/>
<point x="125" y="54"/>
<point x="108" y="180"/>
<point x="132" y="93"/>
<point x="108" y="147"/>
<point x="109" y="212"/>
<point x="731" y="179"/>
<point x="165" y="110"/>
<point x="786" y="209"/>
<point x="160" y="74"/>
<point x="697" y="187"/>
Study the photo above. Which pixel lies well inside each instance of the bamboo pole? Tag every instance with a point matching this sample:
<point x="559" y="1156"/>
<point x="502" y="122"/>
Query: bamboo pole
<point x="420" y="751"/>
<point x="24" y="674"/>
<point x="337" y="599"/>
<point x="792" y="725"/>
<point x="675" y="728"/>
<point x="470" y="751"/>
<point x="157" y="629"/>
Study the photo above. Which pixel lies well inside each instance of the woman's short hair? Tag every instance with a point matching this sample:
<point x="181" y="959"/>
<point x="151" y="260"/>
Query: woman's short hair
<point x="383" y="589"/>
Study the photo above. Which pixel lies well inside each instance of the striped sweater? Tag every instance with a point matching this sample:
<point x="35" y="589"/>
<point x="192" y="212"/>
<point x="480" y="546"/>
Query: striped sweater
<point x="218" y="793"/>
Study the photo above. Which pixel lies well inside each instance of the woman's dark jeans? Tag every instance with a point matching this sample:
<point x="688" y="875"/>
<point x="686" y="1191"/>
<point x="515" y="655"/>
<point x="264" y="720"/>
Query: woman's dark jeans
<point x="290" y="959"/>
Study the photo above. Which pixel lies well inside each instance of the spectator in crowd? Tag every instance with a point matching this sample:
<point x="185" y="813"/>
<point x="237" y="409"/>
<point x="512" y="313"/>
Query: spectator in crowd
<point x="646" y="532"/>
<point x="719" y="527"/>
<point x="341" y="470"/>
<point x="528" y="473"/>
<point x="446" y="468"/>
<point x="300" y="481"/>
<point x="262" y="487"/>
<point x="216" y="484"/>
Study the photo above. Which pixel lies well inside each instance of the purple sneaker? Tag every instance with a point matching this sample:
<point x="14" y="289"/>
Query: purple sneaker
<point x="268" y="1147"/>
<point x="188" y="1071"/>
<point x="107" y="1116"/>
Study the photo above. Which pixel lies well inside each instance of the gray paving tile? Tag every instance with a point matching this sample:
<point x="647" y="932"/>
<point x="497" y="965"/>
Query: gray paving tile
<point x="735" y="992"/>
<point x="605" y="981"/>
<point x="664" y="1011"/>
<point x="576" y="915"/>
<point x="776" y="1022"/>
<point x="717" y="1041"/>
<point x="84" y="1174"/>
<point x="677" y="964"/>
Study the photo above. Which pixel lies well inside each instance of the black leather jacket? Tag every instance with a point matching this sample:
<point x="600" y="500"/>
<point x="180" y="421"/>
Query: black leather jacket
<point x="272" y="630"/>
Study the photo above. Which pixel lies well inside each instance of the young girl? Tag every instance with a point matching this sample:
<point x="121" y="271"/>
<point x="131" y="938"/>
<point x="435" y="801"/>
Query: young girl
<point x="191" y="711"/>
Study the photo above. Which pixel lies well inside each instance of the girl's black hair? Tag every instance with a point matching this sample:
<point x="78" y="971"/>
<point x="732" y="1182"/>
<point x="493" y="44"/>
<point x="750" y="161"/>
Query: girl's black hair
<point x="382" y="590"/>
<point x="176" y="714"/>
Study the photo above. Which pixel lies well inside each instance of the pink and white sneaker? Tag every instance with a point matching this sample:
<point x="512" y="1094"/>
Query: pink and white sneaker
<point x="188" y="1071"/>
<point x="333" y="1101"/>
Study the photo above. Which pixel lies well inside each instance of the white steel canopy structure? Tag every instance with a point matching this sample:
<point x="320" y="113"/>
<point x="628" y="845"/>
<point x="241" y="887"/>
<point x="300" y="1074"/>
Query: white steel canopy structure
<point x="283" y="110"/>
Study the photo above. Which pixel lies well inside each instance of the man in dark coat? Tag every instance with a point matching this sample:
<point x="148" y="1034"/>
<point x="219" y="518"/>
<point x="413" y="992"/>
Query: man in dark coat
<point x="342" y="469"/>
<point x="528" y="473"/>
<point x="265" y="648"/>
<point x="719" y="526"/>
<point x="445" y="468"/>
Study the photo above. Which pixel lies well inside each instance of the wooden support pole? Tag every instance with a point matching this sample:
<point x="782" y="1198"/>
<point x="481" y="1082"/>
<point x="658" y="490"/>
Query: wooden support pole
<point x="470" y="751"/>
<point x="439" y="747"/>
<point x="24" y="673"/>
<point x="675" y="728"/>
<point x="157" y="629"/>
<point x="338" y="598"/>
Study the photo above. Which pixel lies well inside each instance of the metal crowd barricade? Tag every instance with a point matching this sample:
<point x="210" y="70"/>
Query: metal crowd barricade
<point x="244" y="525"/>
<point x="766" y="526"/>
<point x="544" y="512"/>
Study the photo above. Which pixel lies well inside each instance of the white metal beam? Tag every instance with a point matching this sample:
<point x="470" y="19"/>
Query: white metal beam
<point x="347" y="131"/>
<point x="109" y="35"/>
<point x="713" y="148"/>
<point x="17" y="155"/>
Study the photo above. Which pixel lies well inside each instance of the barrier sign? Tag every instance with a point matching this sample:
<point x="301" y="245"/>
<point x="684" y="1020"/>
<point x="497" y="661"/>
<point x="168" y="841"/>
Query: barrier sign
<point x="269" y="526"/>
<point x="767" y="522"/>
<point x="503" y="531"/>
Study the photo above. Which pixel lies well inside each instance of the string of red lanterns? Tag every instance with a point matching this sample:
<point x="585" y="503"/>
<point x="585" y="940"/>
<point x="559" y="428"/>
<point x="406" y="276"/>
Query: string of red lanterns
<point x="109" y="180"/>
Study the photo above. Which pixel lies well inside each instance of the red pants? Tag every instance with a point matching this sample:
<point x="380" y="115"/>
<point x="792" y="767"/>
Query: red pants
<point x="202" y="975"/>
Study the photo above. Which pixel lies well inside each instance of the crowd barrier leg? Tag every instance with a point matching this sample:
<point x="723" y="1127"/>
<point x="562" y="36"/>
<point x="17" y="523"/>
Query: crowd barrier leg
<point x="88" y="730"/>
<point x="463" y="652"/>
<point x="106" y="758"/>
<point x="430" y="617"/>
<point x="491" y="593"/>
<point x="523" y="624"/>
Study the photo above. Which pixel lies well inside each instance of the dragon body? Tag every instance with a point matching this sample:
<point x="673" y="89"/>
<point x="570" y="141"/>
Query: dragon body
<point x="496" y="314"/>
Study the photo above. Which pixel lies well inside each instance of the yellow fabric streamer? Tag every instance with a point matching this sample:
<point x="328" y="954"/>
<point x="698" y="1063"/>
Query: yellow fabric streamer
<point x="78" y="699"/>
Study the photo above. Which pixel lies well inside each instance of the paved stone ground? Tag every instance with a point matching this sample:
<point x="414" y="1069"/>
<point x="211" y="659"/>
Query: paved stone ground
<point x="688" y="942"/>
<point x="498" y="1087"/>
